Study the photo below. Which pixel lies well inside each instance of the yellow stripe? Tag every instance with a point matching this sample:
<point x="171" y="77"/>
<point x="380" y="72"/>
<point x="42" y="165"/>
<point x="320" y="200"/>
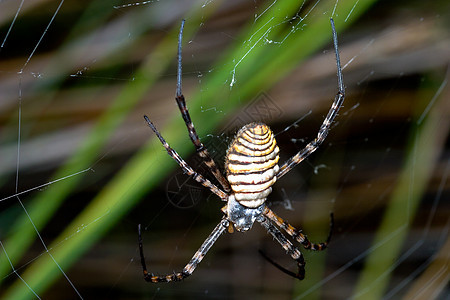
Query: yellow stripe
<point x="251" y="167"/>
<point x="244" y="148"/>
<point x="253" y="178"/>
<point x="257" y="139"/>
<point x="252" y="159"/>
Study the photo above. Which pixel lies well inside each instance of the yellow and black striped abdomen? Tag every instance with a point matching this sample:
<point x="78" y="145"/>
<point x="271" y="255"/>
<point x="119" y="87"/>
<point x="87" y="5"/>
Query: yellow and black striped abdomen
<point x="252" y="164"/>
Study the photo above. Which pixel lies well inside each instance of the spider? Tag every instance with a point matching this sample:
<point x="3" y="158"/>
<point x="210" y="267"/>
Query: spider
<point x="251" y="170"/>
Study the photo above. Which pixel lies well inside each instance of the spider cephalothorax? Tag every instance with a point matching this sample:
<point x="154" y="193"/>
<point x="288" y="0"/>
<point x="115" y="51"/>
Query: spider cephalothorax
<point x="251" y="170"/>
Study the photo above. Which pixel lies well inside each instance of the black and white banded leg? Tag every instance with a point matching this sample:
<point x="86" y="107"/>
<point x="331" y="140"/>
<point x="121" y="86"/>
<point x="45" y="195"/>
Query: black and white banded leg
<point x="287" y="245"/>
<point x="200" y="148"/>
<point x="298" y="235"/>
<point x="325" y="127"/>
<point x="186" y="168"/>
<point x="195" y="260"/>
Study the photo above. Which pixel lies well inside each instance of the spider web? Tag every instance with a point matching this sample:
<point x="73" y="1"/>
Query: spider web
<point x="76" y="79"/>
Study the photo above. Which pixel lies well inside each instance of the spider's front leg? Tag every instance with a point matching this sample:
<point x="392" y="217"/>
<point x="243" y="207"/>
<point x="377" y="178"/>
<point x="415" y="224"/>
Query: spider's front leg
<point x="325" y="127"/>
<point x="195" y="260"/>
<point x="201" y="149"/>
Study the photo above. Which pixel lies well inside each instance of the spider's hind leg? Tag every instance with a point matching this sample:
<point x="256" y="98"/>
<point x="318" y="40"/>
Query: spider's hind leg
<point x="287" y="245"/>
<point x="269" y="215"/>
<point x="297" y="234"/>
<point x="300" y="275"/>
<point x="150" y="277"/>
<point x="195" y="260"/>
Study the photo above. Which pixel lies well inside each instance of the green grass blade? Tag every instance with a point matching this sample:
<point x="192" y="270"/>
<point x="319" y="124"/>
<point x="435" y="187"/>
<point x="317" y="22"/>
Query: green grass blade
<point x="423" y="151"/>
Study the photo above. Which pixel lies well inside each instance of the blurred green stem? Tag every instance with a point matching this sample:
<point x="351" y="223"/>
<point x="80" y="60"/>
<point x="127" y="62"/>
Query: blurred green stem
<point x="426" y="143"/>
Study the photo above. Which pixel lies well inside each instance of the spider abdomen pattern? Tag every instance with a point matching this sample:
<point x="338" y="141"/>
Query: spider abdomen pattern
<point x="252" y="164"/>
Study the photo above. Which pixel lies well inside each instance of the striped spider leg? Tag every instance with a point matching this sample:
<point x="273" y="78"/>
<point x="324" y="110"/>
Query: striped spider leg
<point x="299" y="157"/>
<point x="195" y="260"/>
<point x="187" y="168"/>
<point x="296" y="234"/>
<point x="251" y="169"/>
<point x="207" y="244"/>
<point x="325" y="127"/>
<point x="287" y="245"/>
<point x="201" y="149"/>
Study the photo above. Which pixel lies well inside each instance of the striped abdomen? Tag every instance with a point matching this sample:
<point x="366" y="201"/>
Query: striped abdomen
<point x="251" y="164"/>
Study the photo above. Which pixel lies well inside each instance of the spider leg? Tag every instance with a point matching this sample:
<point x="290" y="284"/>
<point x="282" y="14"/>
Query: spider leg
<point x="287" y="245"/>
<point x="186" y="168"/>
<point x="278" y="266"/>
<point x="325" y="127"/>
<point x="296" y="234"/>
<point x="200" y="148"/>
<point x="195" y="260"/>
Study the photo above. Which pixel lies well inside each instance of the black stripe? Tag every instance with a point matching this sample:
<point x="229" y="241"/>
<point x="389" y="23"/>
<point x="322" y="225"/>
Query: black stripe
<point x="269" y="156"/>
<point x="257" y="140"/>
<point x="244" y="163"/>
<point x="249" y="183"/>
<point x="250" y="172"/>
<point x="256" y="136"/>
<point x="247" y="155"/>
<point x="268" y="145"/>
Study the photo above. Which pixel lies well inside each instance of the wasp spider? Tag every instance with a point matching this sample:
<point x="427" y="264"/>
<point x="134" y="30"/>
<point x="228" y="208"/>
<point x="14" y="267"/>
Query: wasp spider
<point x="251" y="170"/>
